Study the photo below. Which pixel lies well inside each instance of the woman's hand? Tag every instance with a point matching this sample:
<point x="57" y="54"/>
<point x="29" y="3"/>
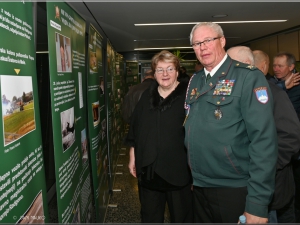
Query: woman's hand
<point x="131" y="164"/>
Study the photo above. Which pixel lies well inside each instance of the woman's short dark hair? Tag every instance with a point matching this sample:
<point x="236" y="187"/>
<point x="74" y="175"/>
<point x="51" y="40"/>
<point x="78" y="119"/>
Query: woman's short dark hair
<point x="165" y="56"/>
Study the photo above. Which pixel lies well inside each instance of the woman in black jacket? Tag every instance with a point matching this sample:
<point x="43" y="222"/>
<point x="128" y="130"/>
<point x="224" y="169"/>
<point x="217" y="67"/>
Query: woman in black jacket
<point x="157" y="155"/>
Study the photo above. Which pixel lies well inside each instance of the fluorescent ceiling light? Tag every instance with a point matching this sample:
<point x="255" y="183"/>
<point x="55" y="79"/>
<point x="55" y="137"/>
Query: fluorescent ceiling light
<point x="250" y="21"/>
<point x="161" y="48"/>
<point x="42" y="52"/>
<point x="168" y="39"/>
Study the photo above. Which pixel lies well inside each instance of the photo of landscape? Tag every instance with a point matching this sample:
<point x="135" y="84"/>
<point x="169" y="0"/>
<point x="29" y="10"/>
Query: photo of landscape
<point x="17" y="107"/>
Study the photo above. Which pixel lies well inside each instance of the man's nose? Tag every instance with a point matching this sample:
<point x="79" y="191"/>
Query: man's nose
<point x="203" y="46"/>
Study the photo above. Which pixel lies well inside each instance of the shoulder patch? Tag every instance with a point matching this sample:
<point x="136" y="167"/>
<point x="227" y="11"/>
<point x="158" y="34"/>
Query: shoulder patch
<point x="261" y="94"/>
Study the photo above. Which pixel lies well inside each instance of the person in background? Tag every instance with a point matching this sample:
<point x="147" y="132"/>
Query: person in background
<point x="284" y="71"/>
<point x="262" y="62"/>
<point x="134" y="94"/>
<point x="158" y="157"/>
<point x="288" y="79"/>
<point x="198" y="66"/>
<point x="229" y="111"/>
<point x="183" y="76"/>
<point x="242" y="54"/>
<point x="281" y="209"/>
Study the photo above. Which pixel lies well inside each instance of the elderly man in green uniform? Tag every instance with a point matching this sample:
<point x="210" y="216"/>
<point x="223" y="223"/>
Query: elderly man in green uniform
<point x="230" y="134"/>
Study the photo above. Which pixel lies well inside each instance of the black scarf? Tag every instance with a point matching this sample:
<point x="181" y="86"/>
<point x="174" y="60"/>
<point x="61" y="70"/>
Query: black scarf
<point x="156" y="100"/>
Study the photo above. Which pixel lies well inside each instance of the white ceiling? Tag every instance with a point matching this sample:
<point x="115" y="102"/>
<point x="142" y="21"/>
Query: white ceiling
<point x="117" y="20"/>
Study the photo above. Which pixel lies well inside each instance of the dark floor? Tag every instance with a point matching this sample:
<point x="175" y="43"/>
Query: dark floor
<point x="127" y="200"/>
<point x="52" y="208"/>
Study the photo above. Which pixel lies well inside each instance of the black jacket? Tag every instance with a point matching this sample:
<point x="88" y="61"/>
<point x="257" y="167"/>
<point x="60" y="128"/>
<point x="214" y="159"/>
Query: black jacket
<point x="288" y="132"/>
<point x="183" y="77"/>
<point x="157" y="134"/>
<point x="293" y="93"/>
<point x="132" y="97"/>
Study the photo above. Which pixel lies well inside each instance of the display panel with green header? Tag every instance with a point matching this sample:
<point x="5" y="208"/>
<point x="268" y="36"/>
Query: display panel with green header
<point x="23" y="194"/>
<point x="96" y="114"/>
<point x="67" y="65"/>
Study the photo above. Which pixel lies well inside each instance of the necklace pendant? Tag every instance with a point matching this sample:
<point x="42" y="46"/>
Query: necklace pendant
<point x="218" y="114"/>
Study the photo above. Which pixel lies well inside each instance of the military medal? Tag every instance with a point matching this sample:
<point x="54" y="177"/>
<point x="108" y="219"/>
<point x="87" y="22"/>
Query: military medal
<point x="224" y="87"/>
<point x="218" y="113"/>
<point x="187" y="113"/>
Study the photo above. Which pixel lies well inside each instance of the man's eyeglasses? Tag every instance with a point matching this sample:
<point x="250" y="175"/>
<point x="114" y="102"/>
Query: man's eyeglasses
<point x="205" y="42"/>
<point x="168" y="70"/>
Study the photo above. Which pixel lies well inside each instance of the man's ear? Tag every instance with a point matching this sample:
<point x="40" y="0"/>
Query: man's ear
<point x="264" y="65"/>
<point x="291" y="67"/>
<point x="223" y="41"/>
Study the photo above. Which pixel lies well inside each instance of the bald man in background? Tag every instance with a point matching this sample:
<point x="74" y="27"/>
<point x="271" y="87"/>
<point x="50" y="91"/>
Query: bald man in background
<point x="242" y="54"/>
<point x="262" y="62"/>
<point x="281" y="208"/>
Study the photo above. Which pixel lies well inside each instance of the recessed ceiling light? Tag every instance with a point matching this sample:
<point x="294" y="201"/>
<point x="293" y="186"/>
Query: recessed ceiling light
<point x="219" y="16"/>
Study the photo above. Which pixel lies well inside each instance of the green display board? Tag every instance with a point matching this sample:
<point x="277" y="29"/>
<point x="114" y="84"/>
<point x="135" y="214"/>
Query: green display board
<point x="23" y="194"/>
<point x="97" y="117"/>
<point x="67" y="65"/>
<point x="117" y="130"/>
<point x="110" y="62"/>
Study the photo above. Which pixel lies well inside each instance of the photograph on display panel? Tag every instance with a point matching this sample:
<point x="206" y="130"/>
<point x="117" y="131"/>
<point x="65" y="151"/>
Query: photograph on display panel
<point x="96" y="113"/>
<point x="92" y="53"/>
<point x="67" y="128"/>
<point x="17" y="107"/>
<point x="84" y="146"/>
<point x="63" y="53"/>
<point x="101" y="86"/>
<point x="35" y="212"/>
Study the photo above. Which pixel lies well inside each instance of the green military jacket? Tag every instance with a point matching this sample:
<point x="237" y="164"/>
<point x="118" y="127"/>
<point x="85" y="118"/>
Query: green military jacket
<point x="230" y="132"/>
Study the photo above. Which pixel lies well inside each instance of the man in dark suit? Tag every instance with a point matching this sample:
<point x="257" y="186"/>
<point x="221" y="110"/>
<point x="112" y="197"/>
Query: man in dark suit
<point x="134" y="94"/>
<point x="262" y="62"/>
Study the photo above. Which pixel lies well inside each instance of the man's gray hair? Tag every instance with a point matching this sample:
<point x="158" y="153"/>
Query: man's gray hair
<point x="216" y="27"/>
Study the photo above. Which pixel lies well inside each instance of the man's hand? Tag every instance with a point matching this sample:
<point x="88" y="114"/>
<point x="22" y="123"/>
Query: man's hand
<point x="292" y="81"/>
<point x="254" y="219"/>
<point x="131" y="164"/>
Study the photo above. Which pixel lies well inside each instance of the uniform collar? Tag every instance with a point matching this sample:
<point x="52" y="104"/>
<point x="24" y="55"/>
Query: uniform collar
<point x="215" y="69"/>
